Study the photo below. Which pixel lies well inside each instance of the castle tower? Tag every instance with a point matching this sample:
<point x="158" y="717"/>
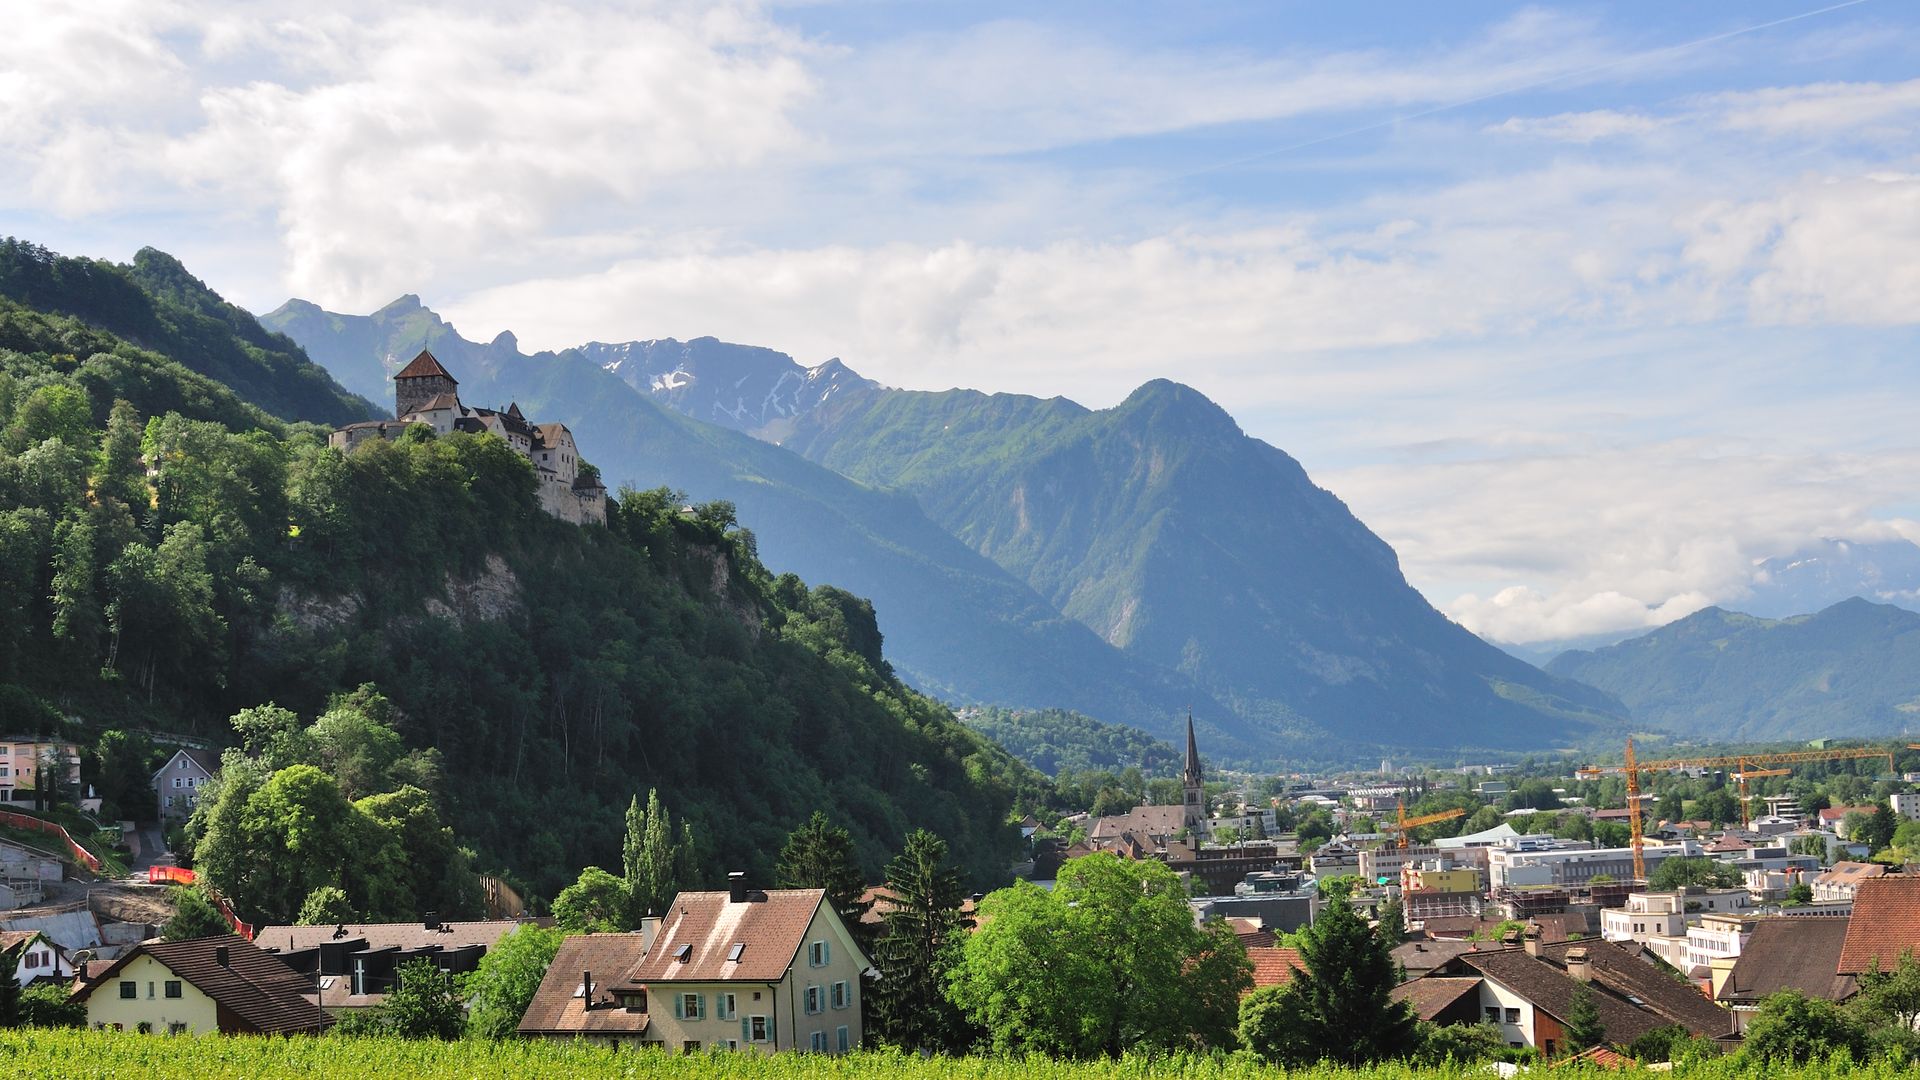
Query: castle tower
<point x="1196" y="809"/>
<point x="420" y="382"/>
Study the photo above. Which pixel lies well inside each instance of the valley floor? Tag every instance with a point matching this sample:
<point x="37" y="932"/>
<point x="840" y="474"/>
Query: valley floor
<point x="32" y="1055"/>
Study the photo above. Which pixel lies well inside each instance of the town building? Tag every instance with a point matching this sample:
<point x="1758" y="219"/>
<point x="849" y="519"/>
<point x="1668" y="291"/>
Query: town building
<point x="1787" y="954"/>
<point x="425" y="393"/>
<point x="216" y="984"/>
<point x="353" y="966"/>
<point x="1842" y="879"/>
<point x="744" y="969"/>
<point x="1885" y="924"/>
<point x="178" y="782"/>
<point x="1527" y="992"/>
<point x="26" y="762"/>
<point x="1906" y="804"/>
<point x="1512" y="867"/>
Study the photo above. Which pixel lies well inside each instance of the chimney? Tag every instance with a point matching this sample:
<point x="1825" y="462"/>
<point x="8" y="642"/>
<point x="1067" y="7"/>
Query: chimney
<point x="433" y="920"/>
<point x="649" y="932"/>
<point x="1580" y="964"/>
<point x="736" y="887"/>
<point x="1531" y="939"/>
<point x="586" y="990"/>
<point x="1510" y="938"/>
<point x="220" y="955"/>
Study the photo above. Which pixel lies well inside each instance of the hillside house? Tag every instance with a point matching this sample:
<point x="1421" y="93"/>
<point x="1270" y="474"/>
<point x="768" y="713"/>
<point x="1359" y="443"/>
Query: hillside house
<point x="178" y="782"/>
<point x="744" y="969"/>
<point x="217" y="984"/>
<point x="29" y="763"/>
<point x="425" y="393"/>
<point x="352" y="966"/>
<point x="35" y="956"/>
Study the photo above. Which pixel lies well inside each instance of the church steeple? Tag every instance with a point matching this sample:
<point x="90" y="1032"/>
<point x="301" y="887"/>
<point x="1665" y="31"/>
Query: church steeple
<point x="1195" y="785"/>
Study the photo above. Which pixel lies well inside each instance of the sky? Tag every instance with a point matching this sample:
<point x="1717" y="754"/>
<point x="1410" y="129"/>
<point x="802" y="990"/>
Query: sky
<point x="1583" y="308"/>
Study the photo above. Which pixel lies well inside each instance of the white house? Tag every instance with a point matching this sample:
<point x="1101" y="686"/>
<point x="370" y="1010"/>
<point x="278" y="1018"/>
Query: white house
<point x="178" y="783"/>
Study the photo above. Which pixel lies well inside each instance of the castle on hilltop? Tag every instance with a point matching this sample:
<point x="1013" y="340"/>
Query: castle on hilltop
<point x="425" y="393"/>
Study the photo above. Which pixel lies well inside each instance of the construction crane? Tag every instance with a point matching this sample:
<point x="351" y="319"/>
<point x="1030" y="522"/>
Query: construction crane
<point x="1405" y="823"/>
<point x="1744" y="764"/>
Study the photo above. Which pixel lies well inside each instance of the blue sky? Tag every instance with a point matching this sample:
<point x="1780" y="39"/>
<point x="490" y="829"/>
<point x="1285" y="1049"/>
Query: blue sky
<point x="1584" y="308"/>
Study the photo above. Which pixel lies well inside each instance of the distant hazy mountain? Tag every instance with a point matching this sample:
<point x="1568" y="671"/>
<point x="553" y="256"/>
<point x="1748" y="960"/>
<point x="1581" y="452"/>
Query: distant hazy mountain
<point x="1041" y="554"/>
<point x="1852" y="669"/>
<point x="1832" y="570"/>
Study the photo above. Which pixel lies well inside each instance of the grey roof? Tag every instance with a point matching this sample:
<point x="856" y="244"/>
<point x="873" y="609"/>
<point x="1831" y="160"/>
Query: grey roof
<point x="1791" y="953"/>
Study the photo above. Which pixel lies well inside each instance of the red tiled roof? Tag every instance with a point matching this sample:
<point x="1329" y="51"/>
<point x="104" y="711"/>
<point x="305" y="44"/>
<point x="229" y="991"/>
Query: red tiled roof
<point x="771" y="925"/>
<point x="425" y="366"/>
<point x="1434" y="994"/>
<point x="1790" y="953"/>
<point x="1885" y="923"/>
<point x="266" y="995"/>
<point x="555" y="1008"/>
<point x="1602" y="1056"/>
<point x="1273" y="966"/>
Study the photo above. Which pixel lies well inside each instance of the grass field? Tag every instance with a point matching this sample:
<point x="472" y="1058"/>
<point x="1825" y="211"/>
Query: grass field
<point x="31" y="1055"/>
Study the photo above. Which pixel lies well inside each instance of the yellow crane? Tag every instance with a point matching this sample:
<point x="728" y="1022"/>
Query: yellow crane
<point x="1405" y="823"/>
<point x="1743" y="763"/>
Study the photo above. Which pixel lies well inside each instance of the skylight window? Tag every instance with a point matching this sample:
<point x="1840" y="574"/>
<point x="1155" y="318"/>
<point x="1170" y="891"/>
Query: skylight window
<point x="683" y="954"/>
<point x="733" y="953"/>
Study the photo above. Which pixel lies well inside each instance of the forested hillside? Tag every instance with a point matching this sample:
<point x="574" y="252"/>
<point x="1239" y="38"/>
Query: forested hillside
<point x="1059" y="740"/>
<point x="156" y="304"/>
<point x="171" y="554"/>
<point x="1852" y="669"/>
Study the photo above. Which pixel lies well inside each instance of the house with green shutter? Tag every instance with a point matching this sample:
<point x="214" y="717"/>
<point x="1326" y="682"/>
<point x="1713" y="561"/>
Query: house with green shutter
<point x="744" y="969"/>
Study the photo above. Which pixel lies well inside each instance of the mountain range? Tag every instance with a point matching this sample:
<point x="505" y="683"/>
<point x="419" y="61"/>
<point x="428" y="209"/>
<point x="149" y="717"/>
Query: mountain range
<point x="1127" y="563"/>
<point x="1850" y="669"/>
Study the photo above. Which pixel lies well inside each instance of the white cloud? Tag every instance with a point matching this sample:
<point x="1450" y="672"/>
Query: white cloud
<point x="1582" y="127"/>
<point x="1821" y="109"/>
<point x="397" y="145"/>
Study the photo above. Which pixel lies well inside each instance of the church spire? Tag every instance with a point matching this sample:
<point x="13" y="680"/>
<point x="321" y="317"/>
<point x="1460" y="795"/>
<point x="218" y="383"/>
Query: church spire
<point x="1192" y="773"/>
<point x="1195" y="788"/>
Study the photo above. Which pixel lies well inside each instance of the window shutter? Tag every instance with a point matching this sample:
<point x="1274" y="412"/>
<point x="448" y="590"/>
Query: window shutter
<point x="699" y="1006"/>
<point x="746" y="1035"/>
<point x="826" y="953"/>
<point x="679" y="1007"/>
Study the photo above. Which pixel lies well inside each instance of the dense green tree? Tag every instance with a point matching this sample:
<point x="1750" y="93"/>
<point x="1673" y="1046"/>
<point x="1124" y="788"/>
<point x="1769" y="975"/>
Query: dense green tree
<point x="1666" y="1043"/>
<point x="325" y="906"/>
<point x="194" y="916"/>
<point x="9" y="988"/>
<point x="1683" y="871"/>
<point x="1791" y="1027"/>
<point x="47" y="1004"/>
<point x="1891" y="996"/>
<point x="121" y="768"/>
<point x="422" y="1005"/>
<point x="438" y="870"/>
<point x="1584" y="1026"/>
<point x="917" y="948"/>
<point x="1799" y="893"/>
<point x="1340" y="1006"/>
<point x="653" y="860"/>
<point x="1107" y="961"/>
<point x="1439" y="1045"/>
<point x="499" y="992"/>
<point x="1719" y="806"/>
<point x="820" y="855"/>
<point x="597" y="903"/>
<point x="1881" y="827"/>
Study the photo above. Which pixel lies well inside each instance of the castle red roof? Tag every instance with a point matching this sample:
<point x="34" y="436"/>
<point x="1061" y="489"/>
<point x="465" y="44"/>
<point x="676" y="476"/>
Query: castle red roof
<point x="425" y="366"/>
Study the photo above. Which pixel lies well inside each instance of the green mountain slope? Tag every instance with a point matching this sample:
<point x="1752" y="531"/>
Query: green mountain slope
<point x="956" y="624"/>
<point x="156" y="304"/>
<point x="1175" y="536"/>
<point x="1053" y="740"/>
<point x="1852" y="669"/>
<point x="170" y="554"/>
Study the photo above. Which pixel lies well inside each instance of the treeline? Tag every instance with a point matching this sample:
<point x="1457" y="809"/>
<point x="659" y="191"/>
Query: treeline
<point x="171" y="556"/>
